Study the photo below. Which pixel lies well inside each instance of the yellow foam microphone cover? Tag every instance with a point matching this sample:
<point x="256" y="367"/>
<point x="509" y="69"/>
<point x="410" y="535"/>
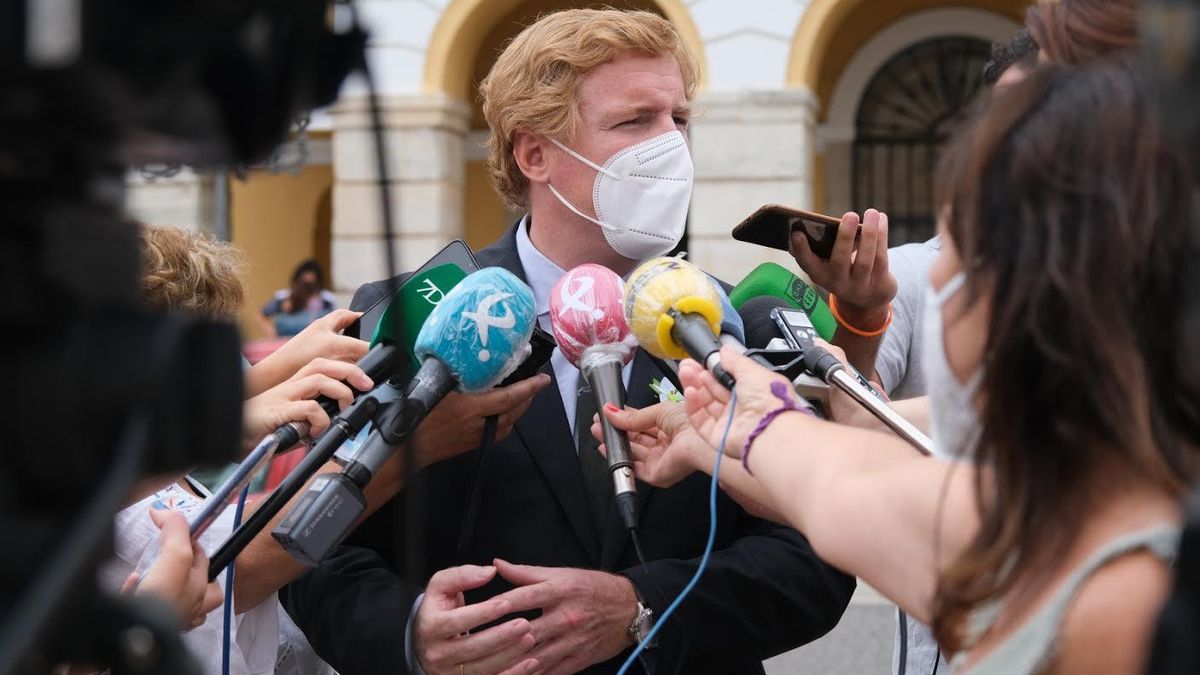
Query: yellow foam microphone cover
<point x="661" y="284"/>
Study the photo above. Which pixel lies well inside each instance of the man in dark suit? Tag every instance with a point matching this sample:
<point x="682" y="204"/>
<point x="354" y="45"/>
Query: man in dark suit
<point x="573" y="89"/>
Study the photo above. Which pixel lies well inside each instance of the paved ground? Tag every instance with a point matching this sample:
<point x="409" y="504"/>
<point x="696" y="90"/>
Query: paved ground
<point x="860" y="645"/>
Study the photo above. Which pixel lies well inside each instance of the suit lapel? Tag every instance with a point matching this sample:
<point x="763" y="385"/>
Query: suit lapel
<point x="616" y="538"/>
<point x="544" y="430"/>
<point x="547" y="436"/>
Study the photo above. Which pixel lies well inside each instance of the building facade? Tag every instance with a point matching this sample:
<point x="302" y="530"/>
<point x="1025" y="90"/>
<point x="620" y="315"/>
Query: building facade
<point x="825" y="105"/>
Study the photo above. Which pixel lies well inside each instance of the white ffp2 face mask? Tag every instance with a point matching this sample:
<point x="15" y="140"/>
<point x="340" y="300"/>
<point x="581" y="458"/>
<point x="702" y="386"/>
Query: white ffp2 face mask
<point x="954" y="424"/>
<point x="641" y="195"/>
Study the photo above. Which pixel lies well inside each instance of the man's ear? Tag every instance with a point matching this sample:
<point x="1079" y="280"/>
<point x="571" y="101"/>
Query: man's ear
<point x="529" y="150"/>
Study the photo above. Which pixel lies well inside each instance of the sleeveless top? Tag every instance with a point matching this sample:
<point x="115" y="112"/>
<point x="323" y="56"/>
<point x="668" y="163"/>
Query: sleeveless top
<point x="1031" y="646"/>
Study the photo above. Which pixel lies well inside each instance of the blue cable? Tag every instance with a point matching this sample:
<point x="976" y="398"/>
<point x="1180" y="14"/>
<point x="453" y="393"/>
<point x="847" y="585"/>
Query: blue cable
<point x="708" y="546"/>
<point x="237" y="520"/>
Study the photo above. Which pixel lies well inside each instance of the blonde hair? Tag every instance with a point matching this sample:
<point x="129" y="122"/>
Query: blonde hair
<point x="535" y="81"/>
<point x="187" y="272"/>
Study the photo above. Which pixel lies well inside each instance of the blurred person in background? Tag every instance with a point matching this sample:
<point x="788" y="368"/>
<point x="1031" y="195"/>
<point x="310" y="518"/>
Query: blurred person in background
<point x="293" y="308"/>
<point x="1047" y="547"/>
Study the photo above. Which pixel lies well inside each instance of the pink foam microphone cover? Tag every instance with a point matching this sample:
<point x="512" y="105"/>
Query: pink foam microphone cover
<point x="588" y="315"/>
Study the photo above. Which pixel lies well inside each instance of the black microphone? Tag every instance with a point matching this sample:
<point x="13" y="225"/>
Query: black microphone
<point x="767" y="319"/>
<point x="474" y="338"/>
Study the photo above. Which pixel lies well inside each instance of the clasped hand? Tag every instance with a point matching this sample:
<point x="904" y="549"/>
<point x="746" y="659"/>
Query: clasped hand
<point x="584" y="619"/>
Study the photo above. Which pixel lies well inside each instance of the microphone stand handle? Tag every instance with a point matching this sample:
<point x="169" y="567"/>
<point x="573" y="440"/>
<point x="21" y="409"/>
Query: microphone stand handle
<point x="839" y="377"/>
<point x="604" y="379"/>
<point x="343" y="427"/>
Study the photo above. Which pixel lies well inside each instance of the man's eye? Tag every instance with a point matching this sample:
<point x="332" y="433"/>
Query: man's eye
<point x="681" y="121"/>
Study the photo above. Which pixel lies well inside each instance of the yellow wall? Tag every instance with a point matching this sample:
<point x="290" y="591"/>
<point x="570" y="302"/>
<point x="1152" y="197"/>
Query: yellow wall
<point x="278" y="220"/>
<point x="484" y="214"/>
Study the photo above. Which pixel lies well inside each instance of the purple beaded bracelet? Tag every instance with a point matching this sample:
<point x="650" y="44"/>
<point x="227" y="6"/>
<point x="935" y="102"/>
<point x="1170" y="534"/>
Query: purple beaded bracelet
<point x="781" y="392"/>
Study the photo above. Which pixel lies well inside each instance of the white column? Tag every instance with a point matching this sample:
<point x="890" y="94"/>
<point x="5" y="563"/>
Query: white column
<point x="750" y="148"/>
<point x="182" y="200"/>
<point x="425" y="142"/>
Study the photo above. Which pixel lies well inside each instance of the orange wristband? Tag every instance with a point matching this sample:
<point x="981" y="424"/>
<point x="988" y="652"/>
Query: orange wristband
<point x="837" y="316"/>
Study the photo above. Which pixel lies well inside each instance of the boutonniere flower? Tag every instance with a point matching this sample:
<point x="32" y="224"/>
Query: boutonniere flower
<point x="666" y="391"/>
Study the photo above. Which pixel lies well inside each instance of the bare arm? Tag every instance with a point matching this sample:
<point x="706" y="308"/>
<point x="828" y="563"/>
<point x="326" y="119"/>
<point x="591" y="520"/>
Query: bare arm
<point x="866" y="502"/>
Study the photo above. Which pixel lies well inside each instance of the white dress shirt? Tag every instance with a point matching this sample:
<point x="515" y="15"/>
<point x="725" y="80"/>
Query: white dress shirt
<point x="541" y="274"/>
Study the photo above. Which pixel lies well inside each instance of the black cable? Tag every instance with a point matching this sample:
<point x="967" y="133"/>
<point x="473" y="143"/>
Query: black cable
<point x="466" y="531"/>
<point x="62" y="570"/>
<point x="637" y="548"/>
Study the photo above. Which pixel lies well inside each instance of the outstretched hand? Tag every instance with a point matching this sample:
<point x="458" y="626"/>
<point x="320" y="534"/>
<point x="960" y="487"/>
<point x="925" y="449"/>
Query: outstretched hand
<point x="707" y="401"/>
<point x="664" y="445"/>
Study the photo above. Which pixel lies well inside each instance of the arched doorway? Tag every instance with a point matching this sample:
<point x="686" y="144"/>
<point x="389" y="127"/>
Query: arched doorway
<point x="906" y="114"/>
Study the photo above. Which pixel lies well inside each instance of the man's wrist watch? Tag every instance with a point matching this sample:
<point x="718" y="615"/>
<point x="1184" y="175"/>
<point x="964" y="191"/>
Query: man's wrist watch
<point x="643" y="621"/>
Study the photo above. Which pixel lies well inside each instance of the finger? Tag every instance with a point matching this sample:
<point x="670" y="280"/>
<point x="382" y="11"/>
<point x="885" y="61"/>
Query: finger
<point x="348" y="349"/>
<point x="176" y="543"/>
<point x="131" y="583"/>
<point x="338" y="370"/>
<point x="509" y="640"/>
<point x="522" y="668"/>
<point x="551" y="651"/>
<point x="864" y="260"/>
<point x="508" y="419"/>
<point x="508" y="398"/>
<point x="532" y="596"/>
<point x="468" y="617"/>
<point x="843" y="245"/>
<point x="633" y="419"/>
<point x="307" y="411"/>
<point x="212" y="598"/>
<point x="445" y="586"/>
<point x="503" y="659"/>
<point x="522" y="574"/>
<point x="832" y="349"/>
<point x="881" y="244"/>
<point x="317" y="384"/>
<point x="803" y="254"/>
<point x="339" y="319"/>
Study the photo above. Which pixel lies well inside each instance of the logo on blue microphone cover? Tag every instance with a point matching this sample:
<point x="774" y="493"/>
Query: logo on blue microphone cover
<point x="481" y="329"/>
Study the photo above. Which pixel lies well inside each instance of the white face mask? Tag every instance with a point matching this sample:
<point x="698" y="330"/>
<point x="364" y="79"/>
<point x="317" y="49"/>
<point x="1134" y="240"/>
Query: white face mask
<point x="954" y="424"/>
<point x="641" y="195"/>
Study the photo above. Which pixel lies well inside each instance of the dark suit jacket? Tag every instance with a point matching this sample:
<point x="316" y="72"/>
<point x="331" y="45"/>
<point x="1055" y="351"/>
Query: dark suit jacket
<point x="764" y="591"/>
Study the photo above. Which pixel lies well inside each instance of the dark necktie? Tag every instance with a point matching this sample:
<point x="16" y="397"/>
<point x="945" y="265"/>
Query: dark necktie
<point x="597" y="479"/>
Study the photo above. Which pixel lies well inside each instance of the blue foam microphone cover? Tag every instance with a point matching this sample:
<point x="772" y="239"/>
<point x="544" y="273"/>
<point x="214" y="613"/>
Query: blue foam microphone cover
<point x="481" y="329"/>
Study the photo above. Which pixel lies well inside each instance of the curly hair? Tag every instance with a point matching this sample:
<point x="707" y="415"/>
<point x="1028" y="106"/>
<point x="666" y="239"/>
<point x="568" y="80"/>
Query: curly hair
<point x="534" y="83"/>
<point x="187" y="272"/>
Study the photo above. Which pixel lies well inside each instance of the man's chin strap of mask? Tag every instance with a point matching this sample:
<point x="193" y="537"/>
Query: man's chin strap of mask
<point x="587" y="162"/>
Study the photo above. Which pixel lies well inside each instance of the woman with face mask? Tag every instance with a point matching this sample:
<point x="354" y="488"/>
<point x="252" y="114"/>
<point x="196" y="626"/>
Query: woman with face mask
<point x="1056" y="358"/>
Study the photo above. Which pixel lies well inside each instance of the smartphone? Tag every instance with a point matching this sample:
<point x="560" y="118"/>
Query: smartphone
<point x="543" y="345"/>
<point x="772" y="226"/>
<point x="456" y="253"/>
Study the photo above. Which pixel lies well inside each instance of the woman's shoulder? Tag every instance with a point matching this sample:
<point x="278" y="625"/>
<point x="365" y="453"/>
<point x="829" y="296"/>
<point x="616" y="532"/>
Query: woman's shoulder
<point x="1109" y="625"/>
